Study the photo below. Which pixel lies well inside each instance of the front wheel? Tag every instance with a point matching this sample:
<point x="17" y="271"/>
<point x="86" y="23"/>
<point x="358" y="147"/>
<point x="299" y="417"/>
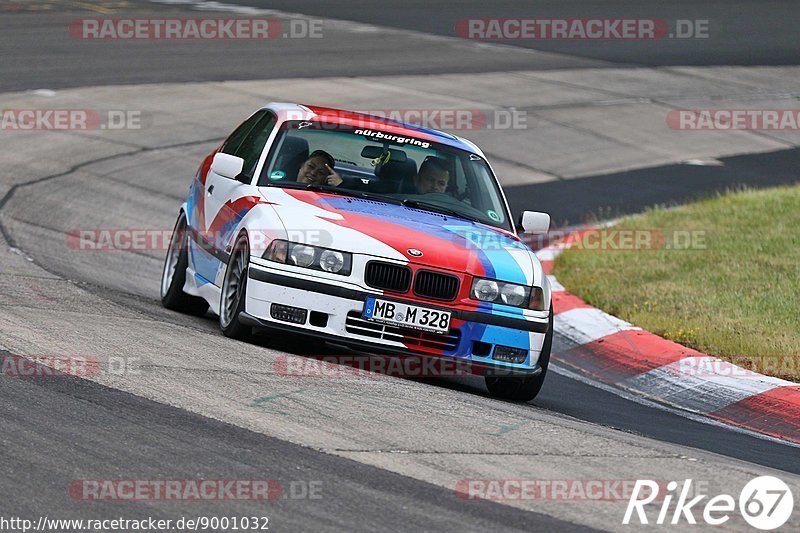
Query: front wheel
<point x="234" y="291"/>
<point x="524" y="389"/>
<point x="174" y="274"/>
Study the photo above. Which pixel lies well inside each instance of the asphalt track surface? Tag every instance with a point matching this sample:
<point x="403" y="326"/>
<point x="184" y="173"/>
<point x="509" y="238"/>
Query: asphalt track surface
<point x="59" y="61"/>
<point x="741" y="32"/>
<point x="124" y="433"/>
<point x="621" y="193"/>
<point x="58" y="430"/>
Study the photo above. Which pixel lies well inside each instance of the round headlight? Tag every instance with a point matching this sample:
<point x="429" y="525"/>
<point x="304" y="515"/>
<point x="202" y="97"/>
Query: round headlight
<point x="302" y="255"/>
<point x="485" y="290"/>
<point x="331" y="261"/>
<point x="513" y="294"/>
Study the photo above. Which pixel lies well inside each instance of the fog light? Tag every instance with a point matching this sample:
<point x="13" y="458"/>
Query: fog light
<point x="287" y="313"/>
<point x="481" y="349"/>
<point x="507" y="354"/>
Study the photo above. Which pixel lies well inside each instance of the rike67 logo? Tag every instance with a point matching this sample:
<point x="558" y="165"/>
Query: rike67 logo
<point x="765" y="503"/>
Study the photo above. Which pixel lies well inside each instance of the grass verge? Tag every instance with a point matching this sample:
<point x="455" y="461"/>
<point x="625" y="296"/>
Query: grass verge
<point x="721" y="275"/>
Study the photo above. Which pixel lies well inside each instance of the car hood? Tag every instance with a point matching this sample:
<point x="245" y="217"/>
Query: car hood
<point x="397" y="232"/>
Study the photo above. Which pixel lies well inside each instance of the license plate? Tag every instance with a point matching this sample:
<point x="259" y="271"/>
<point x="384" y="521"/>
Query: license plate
<point x="408" y="316"/>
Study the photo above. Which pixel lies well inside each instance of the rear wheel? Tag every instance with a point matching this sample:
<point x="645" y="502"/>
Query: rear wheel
<point x="524" y="389"/>
<point x="174" y="274"/>
<point x="234" y="291"/>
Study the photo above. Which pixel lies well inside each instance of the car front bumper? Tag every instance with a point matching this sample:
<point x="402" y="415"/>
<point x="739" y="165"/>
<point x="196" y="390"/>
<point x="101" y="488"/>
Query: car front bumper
<point x="333" y="313"/>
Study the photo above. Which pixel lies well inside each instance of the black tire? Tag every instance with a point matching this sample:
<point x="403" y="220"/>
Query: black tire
<point x="173" y="276"/>
<point x="234" y="291"/>
<point x="523" y="389"/>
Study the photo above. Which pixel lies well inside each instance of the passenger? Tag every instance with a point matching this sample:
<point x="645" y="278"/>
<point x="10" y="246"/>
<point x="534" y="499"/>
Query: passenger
<point x="433" y="176"/>
<point x="318" y="170"/>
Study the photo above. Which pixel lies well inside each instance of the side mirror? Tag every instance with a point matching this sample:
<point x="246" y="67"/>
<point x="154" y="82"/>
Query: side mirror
<point x="227" y="166"/>
<point x="535" y="222"/>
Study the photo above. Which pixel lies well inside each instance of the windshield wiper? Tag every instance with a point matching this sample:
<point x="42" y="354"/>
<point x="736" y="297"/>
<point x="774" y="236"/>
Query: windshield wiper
<point x="352" y="193"/>
<point x="436" y="208"/>
<point x="330" y="189"/>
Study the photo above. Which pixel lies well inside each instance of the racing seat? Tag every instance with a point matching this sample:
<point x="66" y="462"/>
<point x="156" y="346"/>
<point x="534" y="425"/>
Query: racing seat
<point x="394" y="175"/>
<point x="293" y="154"/>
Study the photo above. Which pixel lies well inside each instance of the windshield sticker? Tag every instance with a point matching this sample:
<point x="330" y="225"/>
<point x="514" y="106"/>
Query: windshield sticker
<point x="494" y="216"/>
<point x="277" y="175"/>
<point x="399" y="139"/>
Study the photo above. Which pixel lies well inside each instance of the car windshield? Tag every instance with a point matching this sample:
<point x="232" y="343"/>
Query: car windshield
<point x="382" y="165"/>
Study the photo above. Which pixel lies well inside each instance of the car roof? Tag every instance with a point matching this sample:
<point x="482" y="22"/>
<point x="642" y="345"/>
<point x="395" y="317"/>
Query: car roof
<point x="292" y="111"/>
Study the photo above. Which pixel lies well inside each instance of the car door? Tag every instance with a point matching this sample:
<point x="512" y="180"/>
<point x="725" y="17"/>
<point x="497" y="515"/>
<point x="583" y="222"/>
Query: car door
<point x="228" y="200"/>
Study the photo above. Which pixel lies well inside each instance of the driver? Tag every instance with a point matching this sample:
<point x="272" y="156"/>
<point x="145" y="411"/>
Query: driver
<point x="318" y="170"/>
<point x="433" y="176"/>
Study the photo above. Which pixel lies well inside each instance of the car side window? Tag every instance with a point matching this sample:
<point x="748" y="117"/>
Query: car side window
<point x="234" y="140"/>
<point x="253" y="144"/>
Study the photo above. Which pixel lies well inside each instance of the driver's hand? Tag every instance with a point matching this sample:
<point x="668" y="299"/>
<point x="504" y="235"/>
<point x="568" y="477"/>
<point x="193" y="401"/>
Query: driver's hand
<point x="333" y="178"/>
